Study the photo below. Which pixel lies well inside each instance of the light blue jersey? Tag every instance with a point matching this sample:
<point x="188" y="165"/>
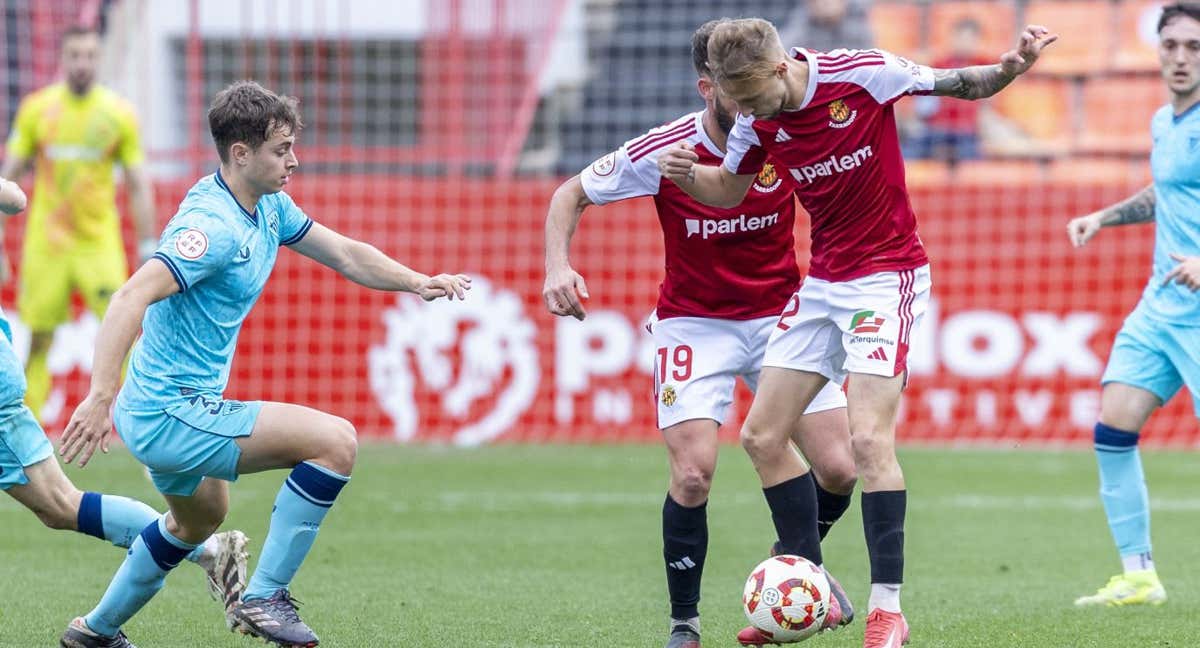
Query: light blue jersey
<point x="221" y="256"/>
<point x="1175" y="164"/>
<point x="1156" y="348"/>
<point x="171" y="412"/>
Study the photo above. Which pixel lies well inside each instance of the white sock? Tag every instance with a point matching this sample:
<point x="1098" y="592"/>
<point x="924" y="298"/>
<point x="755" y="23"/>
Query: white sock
<point x="693" y="623"/>
<point x="208" y="551"/>
<point x="885" y="596"/>
<point x="1138" y="562"/>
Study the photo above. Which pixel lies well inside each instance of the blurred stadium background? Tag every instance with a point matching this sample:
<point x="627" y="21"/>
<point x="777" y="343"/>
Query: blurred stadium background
<point x="438" y="130"/>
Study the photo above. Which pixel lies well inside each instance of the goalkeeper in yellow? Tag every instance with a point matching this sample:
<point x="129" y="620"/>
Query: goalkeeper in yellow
<point x="70" y="134"/>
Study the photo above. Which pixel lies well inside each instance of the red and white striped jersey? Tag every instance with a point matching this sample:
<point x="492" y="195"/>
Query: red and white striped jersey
<point x="737" y="263"/>
<point x="842" y="149"/>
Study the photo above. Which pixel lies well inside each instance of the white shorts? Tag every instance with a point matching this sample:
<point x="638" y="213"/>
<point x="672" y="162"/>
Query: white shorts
<point x="859" y="326"/>
<point x="697" y="361"/>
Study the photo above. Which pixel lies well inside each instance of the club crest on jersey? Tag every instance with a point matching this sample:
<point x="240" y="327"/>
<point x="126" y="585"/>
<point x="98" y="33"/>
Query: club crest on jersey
<point x="668" y="395"/>
<point x="605" y="165"/>
<point x="840" y="115"/>
<point x="768" y="179"/>
<point x="191" y="244"/>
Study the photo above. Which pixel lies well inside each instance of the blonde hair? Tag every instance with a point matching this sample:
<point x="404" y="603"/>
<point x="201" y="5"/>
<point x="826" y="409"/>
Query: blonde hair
<point x="743" y="50"/>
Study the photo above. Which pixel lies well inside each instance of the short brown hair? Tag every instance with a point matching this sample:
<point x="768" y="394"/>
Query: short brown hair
<point x="1176" y="10"/>
<point x="77" y="30"/>
<point x="249" y="113"/>
<point x="700" y="46"/>
<point x="741" y="50"/>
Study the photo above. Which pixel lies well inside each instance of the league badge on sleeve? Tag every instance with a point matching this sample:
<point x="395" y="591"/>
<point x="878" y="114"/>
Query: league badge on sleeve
<point x="605" y="165"/>
<point x="191" y="244"/>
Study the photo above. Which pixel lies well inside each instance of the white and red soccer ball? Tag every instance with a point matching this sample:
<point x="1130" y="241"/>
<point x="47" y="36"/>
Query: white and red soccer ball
<point x="786" y="598"/>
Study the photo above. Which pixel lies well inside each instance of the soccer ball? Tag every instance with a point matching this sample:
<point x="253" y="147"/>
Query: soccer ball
<point x="786" y="598"/>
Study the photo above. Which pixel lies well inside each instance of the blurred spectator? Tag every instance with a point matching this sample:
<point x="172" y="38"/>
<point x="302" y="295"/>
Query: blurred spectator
<point x="950" y="129"/>
<point x="825" y="25"/>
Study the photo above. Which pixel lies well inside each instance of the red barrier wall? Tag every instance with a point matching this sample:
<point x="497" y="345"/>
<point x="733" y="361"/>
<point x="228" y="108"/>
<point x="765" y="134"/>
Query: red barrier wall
<point x="1011" y="351"/>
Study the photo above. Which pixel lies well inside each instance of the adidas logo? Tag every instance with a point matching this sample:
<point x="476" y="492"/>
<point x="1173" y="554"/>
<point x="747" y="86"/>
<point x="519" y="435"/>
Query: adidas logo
<point x="782" y="136"/>
<point x="682" y="565"/>
<point x="878" y="354"/>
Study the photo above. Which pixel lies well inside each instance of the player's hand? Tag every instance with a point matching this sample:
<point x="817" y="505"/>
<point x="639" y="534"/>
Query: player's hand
<point x="1030" y="44"/>
<point x="88" y="429"/>
<point x="678" y="162"/>
<point x="564" y="292"/>
<point x="444" y="285"/>
<point x="1081" y="230"/>
<point x="1187" y="273"/>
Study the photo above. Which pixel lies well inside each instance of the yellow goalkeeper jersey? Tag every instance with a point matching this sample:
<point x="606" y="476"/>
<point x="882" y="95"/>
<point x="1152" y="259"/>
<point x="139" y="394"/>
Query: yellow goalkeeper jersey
<point x="74" y="141"/>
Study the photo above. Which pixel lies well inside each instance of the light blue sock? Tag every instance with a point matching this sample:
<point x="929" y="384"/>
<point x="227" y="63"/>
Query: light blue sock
<point x="153" y="553"/>
<point x="117" y="519"/>
<point x="302" y="503"/>
<point x="1123" y="489"/>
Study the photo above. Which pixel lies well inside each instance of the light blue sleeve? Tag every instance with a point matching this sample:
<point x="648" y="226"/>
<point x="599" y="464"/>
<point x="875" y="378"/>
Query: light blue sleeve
<point x="293" y="222"/>
<point x="196" y="245"/>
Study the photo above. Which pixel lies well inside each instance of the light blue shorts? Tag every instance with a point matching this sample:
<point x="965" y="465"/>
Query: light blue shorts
<point x="187" y="441"/>
<point x="1157" y="357"/>
<point x="22" y="443"/>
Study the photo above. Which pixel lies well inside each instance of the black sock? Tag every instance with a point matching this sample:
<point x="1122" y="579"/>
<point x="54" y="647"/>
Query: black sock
<point x="794" y="511"/>
<point x="883" y="525"/>
<point x="830" y="508"/>
<point x="685" y="542"/>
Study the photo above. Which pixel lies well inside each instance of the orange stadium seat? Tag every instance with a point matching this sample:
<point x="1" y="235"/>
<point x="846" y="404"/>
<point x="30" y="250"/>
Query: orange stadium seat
<point x="1086" y="34"/>
<point x="1137" y="36"/>
<point x="926" y="173"/>
<point x="897" y="28"/>
<point x="1041" y="108"/>
<point x="997" y="20"/>
<point x="999" y="172"/>
<point x="1116" y="114"/>
<point x="1104" y="171"/>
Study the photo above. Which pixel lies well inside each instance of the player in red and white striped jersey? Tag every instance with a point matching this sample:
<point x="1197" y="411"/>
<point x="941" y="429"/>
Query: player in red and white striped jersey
<point x="729" y="273"/>
<point x="828" y="117"/>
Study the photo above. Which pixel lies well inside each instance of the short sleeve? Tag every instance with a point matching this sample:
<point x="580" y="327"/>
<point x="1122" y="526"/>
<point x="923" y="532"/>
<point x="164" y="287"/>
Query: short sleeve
<point x="616" y="177"/>
<point x="194" y="246"/>
<point x="897" y="77"/>
<point x="129" y="149"/>
<point x="744" y="153"/>
<point x="22" y="142"/>
<point x="293" y="222"/>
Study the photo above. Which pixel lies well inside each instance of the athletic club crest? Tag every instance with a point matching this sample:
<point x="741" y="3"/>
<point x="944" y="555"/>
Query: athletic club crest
<point x="768" y="179"/>
<point x="668" y="395"/>
<point x="840" y="115"/>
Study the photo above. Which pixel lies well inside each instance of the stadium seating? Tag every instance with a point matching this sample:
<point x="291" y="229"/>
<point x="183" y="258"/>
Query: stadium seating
<point x="1088" y="30"/>
<point x="1116" y="114"/>
<point x="1041" y="107"/>
<point x="997" y="20"/>
<point x="898" y="28"/>
<point x="1137" y="42"/>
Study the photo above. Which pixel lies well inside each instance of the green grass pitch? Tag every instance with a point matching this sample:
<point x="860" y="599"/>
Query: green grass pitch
<point x="524" y="546"/>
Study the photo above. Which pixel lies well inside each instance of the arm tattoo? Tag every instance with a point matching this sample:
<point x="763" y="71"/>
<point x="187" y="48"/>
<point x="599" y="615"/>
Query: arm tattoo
<point x="975" y="82"/>
<point x="1138" y="208"/>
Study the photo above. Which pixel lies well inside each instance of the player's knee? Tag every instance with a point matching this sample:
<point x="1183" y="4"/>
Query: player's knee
<point x="692" y="483"/>
<point x="873" y="454"/>
<point x="837" y="476"/>
<point x="342" y="447"/>
<point x="761" y="441"/>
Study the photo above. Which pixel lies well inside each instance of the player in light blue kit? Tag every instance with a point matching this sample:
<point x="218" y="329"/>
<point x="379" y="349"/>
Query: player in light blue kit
<point x="1158" y="349"/>
<point x="190" y="300"/>
<point x="30" y="474"/>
